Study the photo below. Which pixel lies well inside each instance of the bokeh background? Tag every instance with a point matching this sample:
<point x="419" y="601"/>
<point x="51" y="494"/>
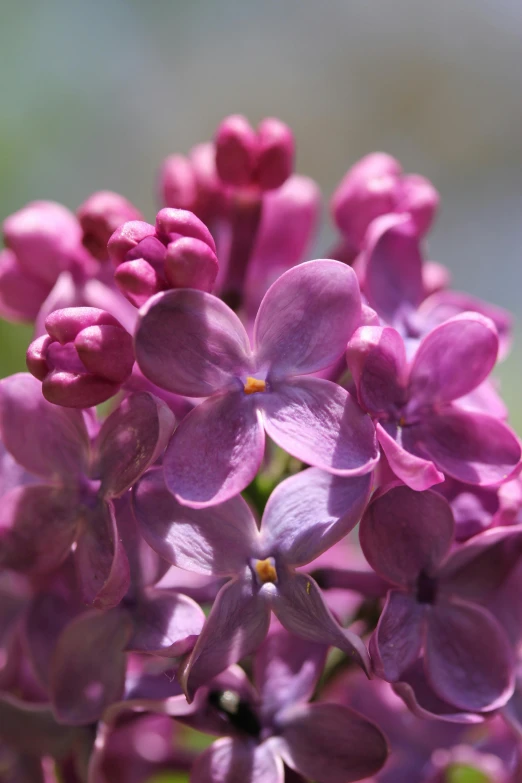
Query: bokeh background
<point x="94" y="94"/>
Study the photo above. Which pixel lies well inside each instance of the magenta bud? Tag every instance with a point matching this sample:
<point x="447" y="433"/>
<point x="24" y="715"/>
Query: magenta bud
<point x="177" y="183"/>
<point x="100" y="215"/>
<point x="125" y="239"/>
<point x="417" y="196"/>
<point x="172" y="223"/>
<point x="435" y="277"/>
<point x="138" y="281"/>
<point x="84" y="359"/>
<point x="236" y="151"/>
<point x="276" y="151"/>
<point x="191" y="263"/>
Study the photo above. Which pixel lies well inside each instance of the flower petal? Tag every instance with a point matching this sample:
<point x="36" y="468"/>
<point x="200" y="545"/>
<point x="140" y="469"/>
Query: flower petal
<point x="376" y="357"/>
<point x="309" y="512"/>
<point x="45" y="439"/>
<point x="217" y="540"/>
<point x="88" y="671"/>
<point x="300" y="608"/>
<point x="472" y="447"/>
<point x="415" y="472"/>
<point x="38" y="525"/>
<point x="130" y="440"/>
<point x="453" y="359"/>
<point x="396" y="642"/>
<point x="404" y="532"/>
<point x="286" y="670"/>
<point x="189" y="342"/>
<point x="320" y="423"/>
<point x="235" y="627"/>
<point x="306" y="318"/>
<point x="234" y="760"/>
<point x="216" y="451"/>
<point x="102" y="565"/>
<point x="331" y="743"/>
<point x="165" y="623"/>
<point x="468" y="659"/>
<point x="32" y="728"/>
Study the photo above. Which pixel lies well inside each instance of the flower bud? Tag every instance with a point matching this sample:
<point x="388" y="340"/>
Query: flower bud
<point x="416" y="195"/>
<point x="177" y="183"/>
<point x="275" y="155"/>
<point x="84" y="358"/>
<point x="100" y="215"/>
<point x="236" y="151"/>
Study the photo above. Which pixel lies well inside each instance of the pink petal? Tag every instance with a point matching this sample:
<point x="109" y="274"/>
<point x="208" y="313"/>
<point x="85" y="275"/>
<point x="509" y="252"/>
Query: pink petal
<point x="234" y="760"/>
<point x="417" y="473"/>
<point x="165" y="623"/>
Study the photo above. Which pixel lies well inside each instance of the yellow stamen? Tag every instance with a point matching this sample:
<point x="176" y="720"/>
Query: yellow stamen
<point x="253" y="385"/>
<point x="266" y="571"/>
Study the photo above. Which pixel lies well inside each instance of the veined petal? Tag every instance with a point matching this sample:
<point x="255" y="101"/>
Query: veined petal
<point x="320" y="423"/>
<point x="306" y="318"/>
<point x="189" y="342"/>
<point x="331" y="743"/>
<point x="165" y="623"/>
<point x="309" y="512"/>
<point x="46" y="439"/>
<point x="216" y="450"/>
<point x="234" y="760"/>
<point x="235" y="627"/>
<point x="130" y="440"/>
<point x="471" y="447"/>
<point x="396" y="642"/>
<point x="417" y="473"/>
<point x="404" y="533"/>
<point x="217" y="540"/>
<point x="453" y="359"/>
<point x="468" y="660"/>
<point x="300" y="608"/>
<point x="376" y="357"/>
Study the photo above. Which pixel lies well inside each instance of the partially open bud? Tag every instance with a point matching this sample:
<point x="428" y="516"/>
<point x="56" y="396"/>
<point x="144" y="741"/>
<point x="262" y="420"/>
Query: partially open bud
<point x="100" y="215"/>
<point x="178" y="252"/>
<point x="84" y="358"/>
<point x="192" y="183"/>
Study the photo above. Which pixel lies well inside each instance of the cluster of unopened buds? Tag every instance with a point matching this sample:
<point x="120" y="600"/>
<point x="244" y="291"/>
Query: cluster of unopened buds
<point x="295" y="523"/>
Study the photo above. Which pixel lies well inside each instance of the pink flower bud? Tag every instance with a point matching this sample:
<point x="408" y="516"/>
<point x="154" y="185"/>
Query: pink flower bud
<point x="175" y="223"/>
<point x="84" y="358"/>
<point x="416" y="195"/>
<point x="191" y="263"/>
<point x="100" y="215"/>
<point x="236" y="151"/>
<point x="177" y="183"/>
<point x="275" y="153"/>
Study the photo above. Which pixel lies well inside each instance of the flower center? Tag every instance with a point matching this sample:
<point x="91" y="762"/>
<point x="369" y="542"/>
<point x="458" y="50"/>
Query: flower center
<point x="237" y="711"/>
<point x="266" y="570"/>
<point x="426" y="589"/>
<point x="254" y="385"/>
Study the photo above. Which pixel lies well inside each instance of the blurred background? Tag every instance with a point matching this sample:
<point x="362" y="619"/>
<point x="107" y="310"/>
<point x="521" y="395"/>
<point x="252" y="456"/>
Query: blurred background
<point x="95" y="94"/>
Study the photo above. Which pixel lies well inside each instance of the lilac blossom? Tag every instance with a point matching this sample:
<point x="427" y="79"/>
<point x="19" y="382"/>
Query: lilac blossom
<point x="99" y="217"/>
<point x="434" y="609"/>
<point x="191" y="343"/>
<point x="423" y="432"/>
<point x="304" y="516"/>
<point x="73" y="503"/>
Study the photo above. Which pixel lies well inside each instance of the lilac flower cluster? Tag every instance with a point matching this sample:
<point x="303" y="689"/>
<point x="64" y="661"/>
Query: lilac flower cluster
<point x="166" y="568"/>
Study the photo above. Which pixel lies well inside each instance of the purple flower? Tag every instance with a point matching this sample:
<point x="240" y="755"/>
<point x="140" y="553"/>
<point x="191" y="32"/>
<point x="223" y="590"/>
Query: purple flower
<point x="191" y="343"/>
<point x="420" y="428"/>
<point x="39" y="523"/>
<point x="435" y="609"/>
<point x="327" y="742"/>
<point x="99" y="216"/>
<point x="304" y="516"/>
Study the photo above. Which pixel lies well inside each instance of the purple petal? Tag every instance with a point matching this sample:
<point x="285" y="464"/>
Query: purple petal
<point x="468" y="659"/>
<point x="309" y="512"/>
<point x="306" y="318"/>
<point x="234" y="760"/>
<point x="404" y="533"/>
<point x="393" y="266"/>
<point x="216" y="451"/>
<point x="286" y="670"/>
<point x="218" y="540"/>
<point x="165" y="623"/>
<point x="321" y="424"/>
<point x="331" y="743"/>
<point x="130" y="440"/>
<point x="468" y="340"/>
<point x="191" y="343"/>
<point x="44" y="438"/>
<point x="471" y="447"/>
<point x="88" y="671"/>
<point x="235" y="627"/>
<point x="396" y="642"/>
<point x="300" y="608"/>
<point x="38" y="525"/>
<point x="102" y="565"/>
<point x="415" y="472"/>
<point x="377" y="360"/>
<point x="20" y="296"/>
